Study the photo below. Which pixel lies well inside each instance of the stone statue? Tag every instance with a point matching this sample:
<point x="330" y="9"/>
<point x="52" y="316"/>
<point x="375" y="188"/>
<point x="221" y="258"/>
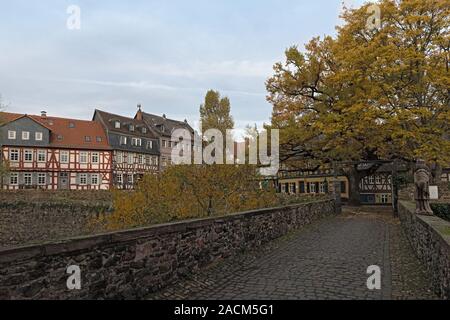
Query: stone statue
<point x="422" y="193"/>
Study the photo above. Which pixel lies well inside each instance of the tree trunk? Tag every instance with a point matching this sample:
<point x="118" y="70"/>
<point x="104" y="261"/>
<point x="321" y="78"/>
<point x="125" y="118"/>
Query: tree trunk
<point x="353" y="178"/>
<point x="436" y="173"/>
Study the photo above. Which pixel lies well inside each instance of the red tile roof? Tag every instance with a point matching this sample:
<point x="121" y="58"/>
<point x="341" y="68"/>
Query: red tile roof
<point x="73" y="132"/>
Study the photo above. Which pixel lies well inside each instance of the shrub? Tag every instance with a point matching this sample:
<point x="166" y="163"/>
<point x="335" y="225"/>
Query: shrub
<point x="441" y="210"/>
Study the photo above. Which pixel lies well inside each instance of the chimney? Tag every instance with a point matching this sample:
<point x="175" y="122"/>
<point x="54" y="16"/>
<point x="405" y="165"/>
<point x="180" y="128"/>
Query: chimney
<point x="139" y="113"/>
<point x="43" y="114"/>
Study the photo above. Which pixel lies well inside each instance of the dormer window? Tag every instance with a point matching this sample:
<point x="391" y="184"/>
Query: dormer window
<point x="137" y="142"/>
<point x="123" y="140"/>
<point x="99" y="139"/>
<point x="131" y="128"/>
<point x="59" y="137"/>
<point x="11" y="135"/>
<point x="87" y="138"/>
<point x="71" y="125"/>
<point x="117" y="124"/>
<point x="144" y="130"/>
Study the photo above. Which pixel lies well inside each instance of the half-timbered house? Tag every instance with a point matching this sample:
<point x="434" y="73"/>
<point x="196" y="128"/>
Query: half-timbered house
<point x="54" y="153"/>
<point x="135" y="147"/>
<point x="164" y="127"/>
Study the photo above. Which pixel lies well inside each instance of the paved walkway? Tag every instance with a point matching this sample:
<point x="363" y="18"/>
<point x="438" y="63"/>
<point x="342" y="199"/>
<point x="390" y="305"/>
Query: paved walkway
<point x="327" y="260"/>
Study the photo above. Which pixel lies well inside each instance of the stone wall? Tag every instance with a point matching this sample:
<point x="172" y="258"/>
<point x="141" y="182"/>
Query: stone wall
<point x="130" y="264"/>
<point x="26" y="222"/>
<point x="407" y="192"/>
<point x="430" y="239"/>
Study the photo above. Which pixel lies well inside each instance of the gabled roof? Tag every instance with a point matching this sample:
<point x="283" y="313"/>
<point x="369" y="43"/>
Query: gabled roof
<point x="67" y="132"/>
<point x="109" y="120"/>
<point x="159" y="123"/>
<point x="6" y="117"/>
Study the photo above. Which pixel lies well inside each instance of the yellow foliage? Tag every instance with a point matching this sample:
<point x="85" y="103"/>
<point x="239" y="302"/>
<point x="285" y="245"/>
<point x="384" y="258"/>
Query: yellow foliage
<point x="186" y="192"/>
<point x="369" y="94"/>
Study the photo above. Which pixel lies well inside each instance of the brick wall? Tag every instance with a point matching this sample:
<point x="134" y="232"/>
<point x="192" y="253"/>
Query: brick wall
<point x="133" y="263"/>
<point x="430" y="239"/>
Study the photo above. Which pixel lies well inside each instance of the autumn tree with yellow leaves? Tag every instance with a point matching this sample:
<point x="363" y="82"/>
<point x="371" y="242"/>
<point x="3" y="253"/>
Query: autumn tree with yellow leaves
<point x="189" y="191"/>
<point x="368" y="93"/>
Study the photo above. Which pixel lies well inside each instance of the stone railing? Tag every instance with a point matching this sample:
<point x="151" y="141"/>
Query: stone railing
<point x="430" y="239"/>
<point x="133" y="263"/>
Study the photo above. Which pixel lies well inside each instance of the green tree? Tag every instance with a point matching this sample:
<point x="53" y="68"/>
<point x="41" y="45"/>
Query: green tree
<point x="368" y="94"/>
<point x="215" y="113"/>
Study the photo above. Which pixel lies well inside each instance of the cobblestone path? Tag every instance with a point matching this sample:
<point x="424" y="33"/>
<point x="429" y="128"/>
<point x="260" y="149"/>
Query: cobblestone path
<point x="327" y="260"/>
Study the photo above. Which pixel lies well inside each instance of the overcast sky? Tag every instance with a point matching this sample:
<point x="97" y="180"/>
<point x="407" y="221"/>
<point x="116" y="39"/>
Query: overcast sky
<point x="162" y="54"/>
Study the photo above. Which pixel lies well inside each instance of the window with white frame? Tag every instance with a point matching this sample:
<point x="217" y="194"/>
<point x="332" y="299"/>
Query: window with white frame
<point x="123" y="140"/>
<point x="384" y="198"/>
<point x="141" y="159"/>
<point x="378" y="179"/>
<point x="164" y="143"/>
<point x="137" y="142"/>
<point x="322" y="187"/>
<point x="42" y="156"/>
<point x="119" y="178"/>
<point x="117" y="124"/>
<point x="95" y="179"/>
<point x="25" y="135"/>
<point x="38" y="136"/>
<point x="119" y="157"/>
<point x="150" y="144"/>
<point x="28" y="156"/>
<point x="64" y="157"/>
<point x="95" y="157"/>
<point x="14" y="179"/>
<point x="291" y="187"/>
<point x="14" y="155"/>
<point x="154" y="161"/>
<point x="130" y="178"/>
<point x="28" y="179"/>
<point x="130" y="158"/>
<point x="312" y="187"/>
<point x="83" y="179"/>
<point x="83" y="157"/>
<point x="371" y="179"/>
<point x="42" y="179"/>
<point x="11" y="135"/>
<point x="148" y="160"/>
